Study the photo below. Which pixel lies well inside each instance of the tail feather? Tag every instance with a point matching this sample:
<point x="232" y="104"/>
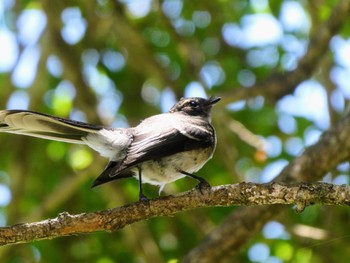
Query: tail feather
<point x="109" y="174"/>
<point x="45" y="126"/>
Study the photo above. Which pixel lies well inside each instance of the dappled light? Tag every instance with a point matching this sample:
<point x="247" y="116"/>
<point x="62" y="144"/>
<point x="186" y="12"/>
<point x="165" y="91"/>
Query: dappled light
<point x="282" y="69"/>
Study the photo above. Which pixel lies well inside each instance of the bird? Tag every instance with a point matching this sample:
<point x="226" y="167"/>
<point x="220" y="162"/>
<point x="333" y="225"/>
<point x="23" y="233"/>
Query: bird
<point x="159" y="150"/>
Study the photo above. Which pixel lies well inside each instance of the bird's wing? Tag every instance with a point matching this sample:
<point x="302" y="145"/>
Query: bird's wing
<point x="170" y="135"/>
<point x="45" y="126"/>
<point x="154" y="145"/>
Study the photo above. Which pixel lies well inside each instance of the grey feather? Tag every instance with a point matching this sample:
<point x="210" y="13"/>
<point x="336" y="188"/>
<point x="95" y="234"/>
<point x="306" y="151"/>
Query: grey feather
<point x="44" y="126"/>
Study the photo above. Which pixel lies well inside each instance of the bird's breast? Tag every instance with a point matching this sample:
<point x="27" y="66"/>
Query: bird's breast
<point x="166" y="170"/>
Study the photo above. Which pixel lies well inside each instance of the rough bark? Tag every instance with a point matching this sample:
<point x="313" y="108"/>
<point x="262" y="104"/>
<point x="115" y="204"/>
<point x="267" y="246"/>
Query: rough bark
<point x="248" y="194"/>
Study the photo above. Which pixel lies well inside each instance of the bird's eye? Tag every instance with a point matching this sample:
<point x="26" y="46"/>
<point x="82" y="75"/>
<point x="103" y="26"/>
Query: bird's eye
<point x="193" y="103"/>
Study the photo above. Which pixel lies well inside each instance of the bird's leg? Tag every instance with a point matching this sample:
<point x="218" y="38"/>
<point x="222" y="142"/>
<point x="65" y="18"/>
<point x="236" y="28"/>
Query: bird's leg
<point x="142" y="197"/>
<point x="202" y="183"/>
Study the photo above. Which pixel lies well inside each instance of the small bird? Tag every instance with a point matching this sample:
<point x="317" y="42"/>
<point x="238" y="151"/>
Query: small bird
<point x="161" y="149"/>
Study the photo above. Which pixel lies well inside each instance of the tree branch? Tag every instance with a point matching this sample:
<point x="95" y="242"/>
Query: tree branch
<point x="249" y="194"/>
<point x="280" y="84"/>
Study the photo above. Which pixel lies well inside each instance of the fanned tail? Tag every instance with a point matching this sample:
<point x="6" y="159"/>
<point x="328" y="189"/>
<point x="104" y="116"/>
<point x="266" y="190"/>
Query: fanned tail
<point x="45" y="126"/>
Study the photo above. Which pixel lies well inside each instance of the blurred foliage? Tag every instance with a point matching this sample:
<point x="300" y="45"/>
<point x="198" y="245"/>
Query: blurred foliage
<point x="117" y="62"/>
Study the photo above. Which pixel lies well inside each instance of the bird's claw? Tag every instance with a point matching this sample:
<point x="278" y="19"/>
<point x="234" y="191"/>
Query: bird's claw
<point x="143" y="198"/>
<point x="203" y="186"/>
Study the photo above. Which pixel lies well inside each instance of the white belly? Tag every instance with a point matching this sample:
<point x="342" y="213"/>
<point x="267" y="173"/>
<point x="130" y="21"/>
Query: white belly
<point x="166" y="170"/>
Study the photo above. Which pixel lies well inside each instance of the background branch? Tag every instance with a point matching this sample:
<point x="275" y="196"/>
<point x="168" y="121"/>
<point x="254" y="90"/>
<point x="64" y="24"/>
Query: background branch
<point x="280" y="84"/>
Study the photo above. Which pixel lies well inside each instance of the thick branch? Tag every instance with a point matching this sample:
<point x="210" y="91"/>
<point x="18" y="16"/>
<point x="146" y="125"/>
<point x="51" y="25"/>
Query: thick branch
<point x="249" y="194"/>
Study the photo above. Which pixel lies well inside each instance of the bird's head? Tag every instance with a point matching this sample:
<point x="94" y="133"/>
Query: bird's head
<point x="195" y="106"/>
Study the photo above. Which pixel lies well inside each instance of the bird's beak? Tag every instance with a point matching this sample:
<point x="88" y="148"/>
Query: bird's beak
<point x="214" y="99"/>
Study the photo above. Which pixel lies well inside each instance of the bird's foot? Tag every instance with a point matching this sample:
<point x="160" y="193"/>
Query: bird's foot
<point x="143" y="198"/>
<point x="203" y="186"/>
